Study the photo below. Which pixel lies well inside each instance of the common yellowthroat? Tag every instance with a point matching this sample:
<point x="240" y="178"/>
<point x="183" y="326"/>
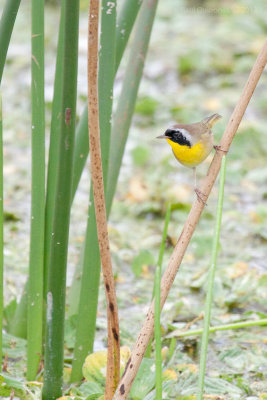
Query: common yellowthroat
<point x="192" y="143"/>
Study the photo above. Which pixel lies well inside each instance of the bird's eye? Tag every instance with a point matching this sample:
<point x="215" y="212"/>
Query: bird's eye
<point x="177" y="134"/>
<point x="178" y="137"/>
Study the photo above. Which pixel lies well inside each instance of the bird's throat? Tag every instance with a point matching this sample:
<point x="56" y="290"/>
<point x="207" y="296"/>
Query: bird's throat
<point x="190" y="156"/>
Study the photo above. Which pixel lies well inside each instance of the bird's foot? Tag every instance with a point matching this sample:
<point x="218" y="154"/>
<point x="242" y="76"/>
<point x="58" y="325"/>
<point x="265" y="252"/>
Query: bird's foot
<point x="201" y="196"/>
<point x="218" y="148"/>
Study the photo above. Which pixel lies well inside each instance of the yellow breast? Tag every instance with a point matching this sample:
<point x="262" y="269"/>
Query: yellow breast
<point x="190" y="156"/>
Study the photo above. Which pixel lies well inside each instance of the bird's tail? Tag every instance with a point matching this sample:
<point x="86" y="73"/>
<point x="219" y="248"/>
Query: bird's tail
<point x="210" y="121"/>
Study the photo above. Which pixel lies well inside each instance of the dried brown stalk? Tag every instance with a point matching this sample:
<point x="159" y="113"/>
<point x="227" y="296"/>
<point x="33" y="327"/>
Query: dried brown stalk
<point x="113" y="361"/>
<point x="189" y="227"/>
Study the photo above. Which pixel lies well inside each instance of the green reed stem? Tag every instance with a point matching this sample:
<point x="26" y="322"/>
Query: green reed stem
<point x="1" y="232"/>
<point x="53" y="159"/>
<point x="172" y="347"/>
<point x="53" y="369"/>
<point x="164" y="235"/>
<point x="6" y="27"/>
<point x="126" y="21"/>
<point x="215" y="247"/>
<point x="81" y="150"/>
<point x="35" y="298"/>
<point x="226" y="327"/>
<point x="85" y="332"/>
<point x="18" y="325"/>
<point x="106" y="78"/>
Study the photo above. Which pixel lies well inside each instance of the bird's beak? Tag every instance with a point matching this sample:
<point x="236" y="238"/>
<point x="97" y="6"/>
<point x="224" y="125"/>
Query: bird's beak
<point x="162" y="137"/>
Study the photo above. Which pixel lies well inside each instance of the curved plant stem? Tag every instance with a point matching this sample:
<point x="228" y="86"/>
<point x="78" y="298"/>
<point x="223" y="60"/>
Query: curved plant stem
<point x="209" y="297"/>
<point x="35" y="297"/>
<point x="113" y="361"/>
<point x="225" y="327"/>
<point x="190" y="225"/>
<point x="6" y="27"/>
<point x="53" y="369"/>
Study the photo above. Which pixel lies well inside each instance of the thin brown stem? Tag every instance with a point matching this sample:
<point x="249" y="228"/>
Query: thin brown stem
<point x="189" y="227"/>
<point x="113" y="363"/>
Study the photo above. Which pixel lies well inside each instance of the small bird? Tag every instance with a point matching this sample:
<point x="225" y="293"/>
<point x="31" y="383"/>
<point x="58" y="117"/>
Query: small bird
<point x="192" y="143"/>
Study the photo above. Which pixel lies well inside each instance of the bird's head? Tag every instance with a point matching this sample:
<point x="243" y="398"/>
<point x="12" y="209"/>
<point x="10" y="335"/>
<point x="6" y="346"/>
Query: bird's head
<point x="177" y="135"/>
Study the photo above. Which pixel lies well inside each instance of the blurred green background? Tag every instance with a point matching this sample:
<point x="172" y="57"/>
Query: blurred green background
<point x="199" y="59"/>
